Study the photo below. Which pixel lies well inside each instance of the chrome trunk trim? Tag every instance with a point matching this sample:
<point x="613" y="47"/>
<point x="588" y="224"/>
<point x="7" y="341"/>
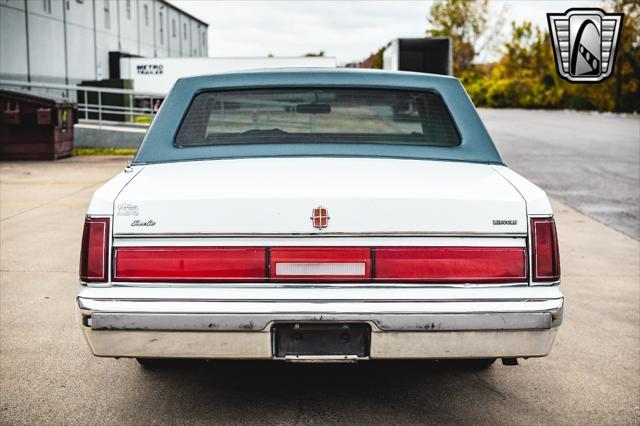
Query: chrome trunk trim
<point x="322" y="235"/>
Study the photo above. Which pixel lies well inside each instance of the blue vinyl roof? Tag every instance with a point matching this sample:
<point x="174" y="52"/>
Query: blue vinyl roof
<point x="476" y="145"/>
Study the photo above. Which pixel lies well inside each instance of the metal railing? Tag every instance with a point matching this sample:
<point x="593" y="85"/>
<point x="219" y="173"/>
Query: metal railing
<point x="97" y="104"/>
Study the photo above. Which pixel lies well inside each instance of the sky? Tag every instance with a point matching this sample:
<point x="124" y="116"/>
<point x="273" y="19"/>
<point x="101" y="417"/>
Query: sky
<point x="347" y="30"/>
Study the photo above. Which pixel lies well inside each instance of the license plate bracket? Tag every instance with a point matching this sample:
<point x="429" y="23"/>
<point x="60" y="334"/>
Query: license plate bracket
<point x="322" y="340"/>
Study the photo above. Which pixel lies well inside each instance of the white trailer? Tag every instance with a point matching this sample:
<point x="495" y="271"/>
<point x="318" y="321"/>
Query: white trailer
<point x="157" y="75"/>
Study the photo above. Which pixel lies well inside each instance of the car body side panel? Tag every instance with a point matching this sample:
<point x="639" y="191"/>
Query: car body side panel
<point x="536" y="199"/>
<point x="102" y="201"/>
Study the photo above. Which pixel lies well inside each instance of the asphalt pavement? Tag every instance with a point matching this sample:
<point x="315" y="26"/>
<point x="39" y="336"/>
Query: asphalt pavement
<point x="48" y="376"/>
<point x="590" y="161"/>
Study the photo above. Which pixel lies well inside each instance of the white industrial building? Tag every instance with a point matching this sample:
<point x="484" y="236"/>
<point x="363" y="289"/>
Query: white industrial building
<point x="67" y="41"/>
<point x="158" y="75"/>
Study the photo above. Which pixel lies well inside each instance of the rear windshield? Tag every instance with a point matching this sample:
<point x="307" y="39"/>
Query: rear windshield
<point x="268" y="116"/>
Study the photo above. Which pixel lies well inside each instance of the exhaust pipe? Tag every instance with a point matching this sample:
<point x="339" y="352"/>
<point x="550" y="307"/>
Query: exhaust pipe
<point x="509" y="361"/>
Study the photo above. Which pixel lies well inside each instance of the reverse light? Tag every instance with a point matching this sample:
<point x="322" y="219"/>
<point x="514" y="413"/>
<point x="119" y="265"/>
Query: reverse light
<point x="186" y="264"/>
<point x="545" y="254"/>
<point x="451" y="264"/>
<point x="94" y="254"/>
<point x="320" y="264"/>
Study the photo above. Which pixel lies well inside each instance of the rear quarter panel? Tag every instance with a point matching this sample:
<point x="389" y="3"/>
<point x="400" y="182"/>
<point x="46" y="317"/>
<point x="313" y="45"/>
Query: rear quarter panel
<point x="102" y="201"/>
<point x="535" y="198"/>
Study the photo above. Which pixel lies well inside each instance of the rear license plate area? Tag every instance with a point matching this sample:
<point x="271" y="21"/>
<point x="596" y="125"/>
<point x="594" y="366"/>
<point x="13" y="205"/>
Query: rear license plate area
<point x="321" y="340"/>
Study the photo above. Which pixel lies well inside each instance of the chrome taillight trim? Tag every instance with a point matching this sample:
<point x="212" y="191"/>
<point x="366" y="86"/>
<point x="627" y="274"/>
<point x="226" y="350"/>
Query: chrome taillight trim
<point x="534" y="278"/>
<point x="530" y="243"/>
<point x="109" y="250"/>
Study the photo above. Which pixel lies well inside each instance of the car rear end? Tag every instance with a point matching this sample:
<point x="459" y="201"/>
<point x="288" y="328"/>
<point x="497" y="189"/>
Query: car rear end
<point x="423" y="273"/>
<point x="320" y="257"/>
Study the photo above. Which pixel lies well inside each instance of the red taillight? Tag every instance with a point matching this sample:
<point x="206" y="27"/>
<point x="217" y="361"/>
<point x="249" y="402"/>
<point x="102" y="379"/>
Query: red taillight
<point x="190" y="264"/>
<point x="320" y="264"/>
<point x="94" y="254"/>
<point x="451" y="264"/>
<point x="546" y="256"/>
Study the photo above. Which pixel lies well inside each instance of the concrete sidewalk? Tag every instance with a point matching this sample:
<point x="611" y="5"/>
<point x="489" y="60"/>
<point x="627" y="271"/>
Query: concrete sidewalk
<point x="47" y="375"/>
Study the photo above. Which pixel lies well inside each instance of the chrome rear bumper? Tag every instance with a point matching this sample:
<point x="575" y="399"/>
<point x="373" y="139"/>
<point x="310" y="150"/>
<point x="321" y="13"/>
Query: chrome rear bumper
<point x="236" y="322"/>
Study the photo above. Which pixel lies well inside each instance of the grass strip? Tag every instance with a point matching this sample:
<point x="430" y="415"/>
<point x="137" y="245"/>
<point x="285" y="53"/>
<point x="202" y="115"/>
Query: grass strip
<point x="104" y="151"/>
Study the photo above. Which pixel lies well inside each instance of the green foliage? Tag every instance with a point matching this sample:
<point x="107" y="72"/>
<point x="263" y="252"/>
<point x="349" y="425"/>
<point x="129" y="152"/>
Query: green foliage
<point x="104" y="151"/>
<point x="465" y="21"/>
<point x="378" y="59"/>
<point x="525" y="76"/>
<point x="626" y="86"/>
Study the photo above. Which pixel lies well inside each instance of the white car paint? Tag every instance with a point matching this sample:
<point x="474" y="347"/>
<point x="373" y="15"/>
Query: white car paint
<point x="102" y="201"/>
<point x="277" y="195"/>
<point x="536" y="199"/>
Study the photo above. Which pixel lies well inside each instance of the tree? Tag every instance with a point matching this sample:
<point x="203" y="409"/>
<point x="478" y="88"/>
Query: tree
<point x="375" y="60"/>
<point x="627" y="68"/>
<point x="525" y="75"/>
<point x="314" y="55"/>
<point x="465" y="21"/>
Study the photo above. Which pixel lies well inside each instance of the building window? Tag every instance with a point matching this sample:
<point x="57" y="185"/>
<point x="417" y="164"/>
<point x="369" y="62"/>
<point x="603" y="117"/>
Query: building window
<point x="161" y="28"/>
<point x="107" y="15"/>
<point x="204" y="40"/>
<point x="46" y="6"/>
<point x="128" y="9"/>
<point x="184" y="30"/>
<point x="146" y="15"/>
<point x="173" y="28"/>
<point x="80" y="1"/>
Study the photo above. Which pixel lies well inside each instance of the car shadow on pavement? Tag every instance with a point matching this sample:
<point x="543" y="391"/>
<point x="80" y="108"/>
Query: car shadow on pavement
<point x="371" y="392"/>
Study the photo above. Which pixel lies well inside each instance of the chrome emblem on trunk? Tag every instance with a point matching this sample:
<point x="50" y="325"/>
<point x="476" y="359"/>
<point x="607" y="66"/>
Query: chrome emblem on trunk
<point x="320" y="217"/>
<point x="127" y="209"/>
<point x="505" y="222"/>
<point x="149" y="222"/>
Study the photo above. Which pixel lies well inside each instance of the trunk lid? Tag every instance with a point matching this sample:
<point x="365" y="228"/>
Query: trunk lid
<point x="279" y="195"/>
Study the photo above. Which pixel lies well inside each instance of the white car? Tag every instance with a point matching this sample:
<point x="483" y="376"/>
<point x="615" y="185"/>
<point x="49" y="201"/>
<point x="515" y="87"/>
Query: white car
<point x="319" y="215"/>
